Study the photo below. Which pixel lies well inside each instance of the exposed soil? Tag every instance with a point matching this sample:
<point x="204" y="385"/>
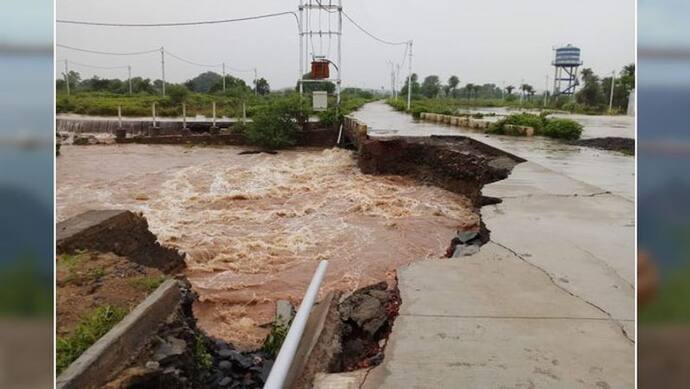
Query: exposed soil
<point x="91" y="280"/>
<point x="457" y="164"/>
<point x="622" y="145"/>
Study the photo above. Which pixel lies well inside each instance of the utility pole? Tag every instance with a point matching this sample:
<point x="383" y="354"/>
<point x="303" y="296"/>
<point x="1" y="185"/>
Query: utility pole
<point x="256" y="83"/>
<point x="67" y="77"/>
<point x="301" y="47"/>
<point x="129" y="78"/>
<point x="409" y="80"/>
<point x="397" y="80"/>
<point x="340" y="53"/>
<point x="546" y="91"/>
<point x="392" y="78"/>
<point x="223" y="77"/>
<point x="613" y="79"/>
<point x="163" y="68"/>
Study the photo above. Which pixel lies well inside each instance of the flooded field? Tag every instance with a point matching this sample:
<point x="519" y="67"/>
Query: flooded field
<point x="255" y="226"/>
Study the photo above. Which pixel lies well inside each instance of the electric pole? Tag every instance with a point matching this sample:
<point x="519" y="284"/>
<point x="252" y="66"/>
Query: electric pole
<point x="392" y="78"/>
<point x="129" y="78"/>
<point x="67" y="77"/>
<point x="613" y="79"/>
<point x="409" y="80"/>
<point x="223" y="77"/>
<point x="163" y="69"/>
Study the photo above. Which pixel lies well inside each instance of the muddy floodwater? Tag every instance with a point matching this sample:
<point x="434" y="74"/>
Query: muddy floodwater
<point x="255" y="226"/>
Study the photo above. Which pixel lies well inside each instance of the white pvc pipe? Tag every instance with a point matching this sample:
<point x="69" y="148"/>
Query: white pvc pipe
<point x="282" y="364"/>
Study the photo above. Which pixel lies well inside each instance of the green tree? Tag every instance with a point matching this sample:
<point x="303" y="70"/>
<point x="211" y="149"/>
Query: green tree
<point x="469" y="89"/>
<point x="74" y="79"/>
<point x="276" y="125"/>
<point x="527" y="90"/>
<point x="431" y="86"/>
<point x="591" y="95"/>
<point x="204" y="82"/>
<point x="262" y="87"/>
<point x="453" y="83"/>
<point x="416" y="88"/>
<point x="510" y="89"/>
<point x="177" y="93"/>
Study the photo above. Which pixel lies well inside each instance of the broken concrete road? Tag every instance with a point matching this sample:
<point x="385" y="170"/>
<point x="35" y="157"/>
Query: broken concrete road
<point x="549" y="302"/>
<point x="494" y="321"/>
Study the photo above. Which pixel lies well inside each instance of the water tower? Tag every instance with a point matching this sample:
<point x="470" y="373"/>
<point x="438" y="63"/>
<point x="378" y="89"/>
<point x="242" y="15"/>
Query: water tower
<point x="566" y="63"/>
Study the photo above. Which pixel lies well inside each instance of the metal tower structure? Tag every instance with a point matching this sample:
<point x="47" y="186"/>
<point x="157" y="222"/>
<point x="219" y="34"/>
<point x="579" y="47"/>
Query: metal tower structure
<point x="311" y="26"/>
<point x="566" y="63"/>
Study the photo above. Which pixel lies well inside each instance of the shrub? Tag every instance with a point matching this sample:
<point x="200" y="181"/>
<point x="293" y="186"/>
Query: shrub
<point x="562" y="129"/>
<point x="276" y="125"/>
<point x="328" y="117"/>
<point x="526" y="119"/>
<point x="178" y="93"/>
<point x="519" y="119"/>
<point x="274" y="340"/>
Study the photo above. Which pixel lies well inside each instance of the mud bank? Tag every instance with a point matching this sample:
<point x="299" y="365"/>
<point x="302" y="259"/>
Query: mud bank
<point x="622" y="145"/>
<point x="315" y="137"/>
<point x="455" y="163"/>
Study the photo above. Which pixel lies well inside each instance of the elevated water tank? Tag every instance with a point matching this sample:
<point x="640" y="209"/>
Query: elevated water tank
<point x="567" y="56"/>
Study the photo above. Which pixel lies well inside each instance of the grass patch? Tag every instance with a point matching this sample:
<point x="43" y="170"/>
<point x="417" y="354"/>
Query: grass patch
<point x="89" y="330"/>
<point x="74" y="265"/>
<point x="147" y="283"/>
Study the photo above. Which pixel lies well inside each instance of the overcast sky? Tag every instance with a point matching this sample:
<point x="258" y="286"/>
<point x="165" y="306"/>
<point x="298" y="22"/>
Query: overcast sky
<point x="480" y="41"/>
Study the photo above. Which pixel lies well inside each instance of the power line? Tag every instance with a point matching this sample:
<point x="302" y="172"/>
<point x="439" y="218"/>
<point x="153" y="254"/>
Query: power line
<point x="177" y="24"/>
<point x="107" y="52"/>
<point x="95" y="66"/>
<point x="191" y="62"/>
<point x="372" y="35"/>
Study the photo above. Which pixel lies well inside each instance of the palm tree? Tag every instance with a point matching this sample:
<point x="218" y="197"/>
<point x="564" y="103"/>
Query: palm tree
<point x="526" y="89"/>
<point x="510" y="88"/>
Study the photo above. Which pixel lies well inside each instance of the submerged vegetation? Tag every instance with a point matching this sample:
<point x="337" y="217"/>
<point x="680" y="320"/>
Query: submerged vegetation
<point x="552" y="128"/>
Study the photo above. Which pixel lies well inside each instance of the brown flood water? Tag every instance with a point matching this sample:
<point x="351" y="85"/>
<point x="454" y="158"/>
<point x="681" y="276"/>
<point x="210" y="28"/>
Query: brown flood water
<point x="255" y="226"/>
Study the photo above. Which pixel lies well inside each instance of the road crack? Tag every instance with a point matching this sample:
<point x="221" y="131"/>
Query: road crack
<point x="553" y="281"/>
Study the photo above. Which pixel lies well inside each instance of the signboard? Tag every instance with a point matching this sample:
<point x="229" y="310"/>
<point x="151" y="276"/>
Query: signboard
<point x="320" y="100"/>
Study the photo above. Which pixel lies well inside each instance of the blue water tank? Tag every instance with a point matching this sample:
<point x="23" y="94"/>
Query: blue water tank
<point x="567" y="56"/>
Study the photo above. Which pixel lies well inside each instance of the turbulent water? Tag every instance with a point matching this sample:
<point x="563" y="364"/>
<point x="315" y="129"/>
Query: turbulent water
<point x="255" y="226"/>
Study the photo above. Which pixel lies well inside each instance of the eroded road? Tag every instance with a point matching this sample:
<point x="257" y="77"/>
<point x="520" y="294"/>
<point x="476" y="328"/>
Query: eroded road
<point x="548" y="302"/>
